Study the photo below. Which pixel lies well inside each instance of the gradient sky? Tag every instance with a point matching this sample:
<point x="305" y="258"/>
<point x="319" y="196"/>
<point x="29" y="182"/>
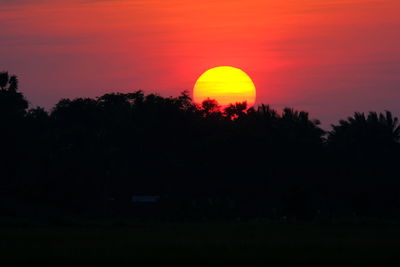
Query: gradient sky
<point x="329" y="57"/>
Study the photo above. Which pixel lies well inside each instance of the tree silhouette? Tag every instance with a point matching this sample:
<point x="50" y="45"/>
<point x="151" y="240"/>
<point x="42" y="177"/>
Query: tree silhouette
<point x="236" y="111"/>
<point x="12" y="103"/>
<point x="8" y="83"/>
<point x="13" y="108"/>
<point x="362" y="148"/>
<point x="203" y="161"/>
<point x="211" y="109"/>
<point x="361" y="130"/>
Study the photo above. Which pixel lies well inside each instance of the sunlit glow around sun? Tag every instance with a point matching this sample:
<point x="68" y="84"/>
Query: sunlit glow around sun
<point x="227" y="85"/>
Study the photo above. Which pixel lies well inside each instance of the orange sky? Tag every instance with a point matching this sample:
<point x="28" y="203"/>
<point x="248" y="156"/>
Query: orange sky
<point x="329" y="57"/>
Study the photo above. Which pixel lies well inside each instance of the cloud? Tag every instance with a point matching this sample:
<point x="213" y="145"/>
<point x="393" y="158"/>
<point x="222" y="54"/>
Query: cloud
<point x="7" y="3"/>
<point x="10" y="3"/>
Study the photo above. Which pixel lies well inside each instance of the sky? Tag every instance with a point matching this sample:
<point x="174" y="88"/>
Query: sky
<point x="330" y="58"/>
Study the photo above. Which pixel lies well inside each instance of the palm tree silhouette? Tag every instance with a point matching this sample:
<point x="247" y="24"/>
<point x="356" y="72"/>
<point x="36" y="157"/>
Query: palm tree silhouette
<point x="379" y="129"/>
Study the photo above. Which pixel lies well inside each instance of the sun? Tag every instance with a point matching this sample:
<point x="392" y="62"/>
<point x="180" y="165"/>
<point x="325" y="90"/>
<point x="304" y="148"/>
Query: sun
<point x="227" y="85"/>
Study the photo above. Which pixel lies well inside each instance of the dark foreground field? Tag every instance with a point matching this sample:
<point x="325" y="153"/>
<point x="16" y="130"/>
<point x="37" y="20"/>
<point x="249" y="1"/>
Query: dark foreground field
<point x="203" y="242"/>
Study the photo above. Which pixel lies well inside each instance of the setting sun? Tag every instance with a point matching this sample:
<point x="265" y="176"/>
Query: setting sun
<point x="227" y="85"/>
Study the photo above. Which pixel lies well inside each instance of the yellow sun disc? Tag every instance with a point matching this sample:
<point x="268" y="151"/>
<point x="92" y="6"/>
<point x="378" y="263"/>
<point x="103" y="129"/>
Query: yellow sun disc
<point x="226" y="85"/>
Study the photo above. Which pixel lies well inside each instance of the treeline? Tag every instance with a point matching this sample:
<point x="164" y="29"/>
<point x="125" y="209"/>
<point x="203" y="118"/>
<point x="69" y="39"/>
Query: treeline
<point x="90" y="156"/>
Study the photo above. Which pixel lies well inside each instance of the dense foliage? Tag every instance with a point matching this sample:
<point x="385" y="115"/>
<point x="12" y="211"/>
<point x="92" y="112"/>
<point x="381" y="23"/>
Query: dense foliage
<point x="89" y="156"/>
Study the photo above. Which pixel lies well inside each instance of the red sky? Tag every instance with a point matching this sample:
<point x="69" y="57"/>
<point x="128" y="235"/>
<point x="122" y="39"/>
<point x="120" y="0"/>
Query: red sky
<point x="329" y="57"/>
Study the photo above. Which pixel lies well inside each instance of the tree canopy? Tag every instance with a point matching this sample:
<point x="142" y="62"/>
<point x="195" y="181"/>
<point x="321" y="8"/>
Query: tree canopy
<point x="205" y="161"/>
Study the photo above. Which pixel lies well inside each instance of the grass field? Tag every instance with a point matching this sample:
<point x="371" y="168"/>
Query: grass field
<point x="203" y="242"/>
